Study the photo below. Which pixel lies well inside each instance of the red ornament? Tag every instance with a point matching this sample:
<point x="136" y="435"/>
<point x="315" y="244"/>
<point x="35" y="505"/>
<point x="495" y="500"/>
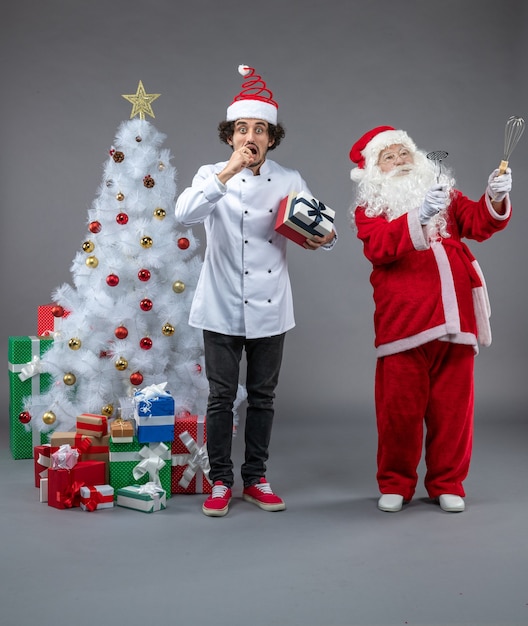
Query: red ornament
<point x="24" y="417"/>
<point x="198" y="368"/>
<point x="57" y="311"/>
<point x="121" y="332"/>
<point x="112" y="280"/>
<point x="145" y="343"/>
<point x="145" y="304"/>
<point x="136" y="378"/>
<point x="183" y="243"/>
<point x="94" y="227"/>
<point x="144" y="275"/>
<point x="122" y="218"/>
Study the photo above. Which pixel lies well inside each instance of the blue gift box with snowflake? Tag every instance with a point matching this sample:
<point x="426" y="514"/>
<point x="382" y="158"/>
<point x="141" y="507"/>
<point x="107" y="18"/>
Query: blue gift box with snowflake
<point x="154" y="413"/>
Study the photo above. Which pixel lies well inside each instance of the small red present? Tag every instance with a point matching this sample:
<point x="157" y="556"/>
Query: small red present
<point x="64" y="486"/>
<point x="190" y="462"/>
<point x="92" y="424"/>
<point x="49" y="318"/>
<point x="42" y="461"/>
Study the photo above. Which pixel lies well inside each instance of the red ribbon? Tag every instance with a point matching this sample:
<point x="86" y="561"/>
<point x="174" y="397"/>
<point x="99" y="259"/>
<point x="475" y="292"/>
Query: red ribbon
<point x="95" y="498"/>
<point x="71" y="496"/>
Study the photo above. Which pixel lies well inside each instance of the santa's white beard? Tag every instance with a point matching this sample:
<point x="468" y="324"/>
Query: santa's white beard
<point x="395" y="193"/>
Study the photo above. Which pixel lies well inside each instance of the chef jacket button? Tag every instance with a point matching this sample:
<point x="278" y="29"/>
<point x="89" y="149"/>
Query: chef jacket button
<point x="269" y="271"/>
<point x="245" y="301"/>
<point x="245" y="212"/>
<point x="270" y="240"/>
<point x="245" y="240"/>
<point x="246" y="272"/>
<point x="271" y="210"/>
<point x="269" y="300"/>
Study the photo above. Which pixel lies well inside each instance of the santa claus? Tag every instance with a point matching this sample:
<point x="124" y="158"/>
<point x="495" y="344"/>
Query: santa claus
<point x="431" y="310"/>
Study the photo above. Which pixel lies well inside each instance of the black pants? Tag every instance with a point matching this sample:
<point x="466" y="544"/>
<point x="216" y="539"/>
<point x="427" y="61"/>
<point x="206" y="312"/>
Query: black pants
<point x="222" y="365"/>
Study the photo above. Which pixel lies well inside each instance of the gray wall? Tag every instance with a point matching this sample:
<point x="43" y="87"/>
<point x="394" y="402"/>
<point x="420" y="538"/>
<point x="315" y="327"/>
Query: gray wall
<point x="449" y="73"/>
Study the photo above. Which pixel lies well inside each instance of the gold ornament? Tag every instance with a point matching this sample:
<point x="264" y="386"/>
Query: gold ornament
<point x="69" y="379"/>
<point x="146" y="242"/>
<point x="49" y="418"/>
<point x="92" y="261"/>
<point x="160" y="213"/>
<point x="141" y="102"/>
<point x="107" y="410"/>
<point x="74" y="343"/>
<point x="168" y="329"/>
<point x="120" y="196"/>
<point x="178" y="286"/>
<point x="121" y="364"/>
<point x="161" y="166"/>
<point x="88" y="246"/>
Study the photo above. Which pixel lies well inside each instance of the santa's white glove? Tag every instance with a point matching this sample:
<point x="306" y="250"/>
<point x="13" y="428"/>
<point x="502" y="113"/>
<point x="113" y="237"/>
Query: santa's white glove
<point x="435" y="200"/>
<point x="499" y="186"/>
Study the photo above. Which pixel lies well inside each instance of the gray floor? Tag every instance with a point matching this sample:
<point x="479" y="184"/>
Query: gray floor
<point x="330" y="559"/>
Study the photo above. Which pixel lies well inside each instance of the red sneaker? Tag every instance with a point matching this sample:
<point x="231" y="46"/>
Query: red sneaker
<point x="217" y="504"/>
<point x="262" y="495"/>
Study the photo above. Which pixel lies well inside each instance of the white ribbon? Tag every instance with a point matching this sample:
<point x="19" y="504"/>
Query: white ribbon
<point x="197" y="459"/>
<point x="65" y="457"/>
<point x="152" y="391"/>
<point x="44" y="461"/>
<point x="155" y="492"/>
<point x="31" y="369"/>
<point x="152" y="463"/>
<point x="150" y="489"/>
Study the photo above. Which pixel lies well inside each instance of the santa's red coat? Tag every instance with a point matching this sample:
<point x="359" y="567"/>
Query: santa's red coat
<point x="425" y="291"/>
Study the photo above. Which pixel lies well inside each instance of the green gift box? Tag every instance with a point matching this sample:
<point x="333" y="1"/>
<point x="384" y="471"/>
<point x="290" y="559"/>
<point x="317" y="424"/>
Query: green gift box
<point x="138" y="463"/>
<point x="150" y="501"/>
<point x="25" y="381"/>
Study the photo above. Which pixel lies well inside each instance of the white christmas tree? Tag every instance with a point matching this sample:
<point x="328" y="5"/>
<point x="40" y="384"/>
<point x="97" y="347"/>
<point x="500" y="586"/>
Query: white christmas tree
<point x="126" y="323"/>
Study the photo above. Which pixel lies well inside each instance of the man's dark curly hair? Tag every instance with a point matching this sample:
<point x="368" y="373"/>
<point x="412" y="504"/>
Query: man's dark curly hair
<point x="275" y="131"/>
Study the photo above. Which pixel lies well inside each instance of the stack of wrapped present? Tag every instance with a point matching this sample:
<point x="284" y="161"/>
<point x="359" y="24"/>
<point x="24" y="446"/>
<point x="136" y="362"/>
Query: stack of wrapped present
<point x="137" y="460"/>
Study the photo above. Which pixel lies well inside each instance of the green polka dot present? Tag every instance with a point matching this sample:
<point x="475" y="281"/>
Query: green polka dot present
<point x="136" y="464"/>
<point x="25" y="381"/>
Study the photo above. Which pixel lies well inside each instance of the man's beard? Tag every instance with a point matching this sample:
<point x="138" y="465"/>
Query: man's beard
<point x="395" y="193"/>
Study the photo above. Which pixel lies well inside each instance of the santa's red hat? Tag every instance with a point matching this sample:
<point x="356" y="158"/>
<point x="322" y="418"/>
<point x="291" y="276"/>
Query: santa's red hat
<point x="255" y="100"/>
<point x="365" y="152"/>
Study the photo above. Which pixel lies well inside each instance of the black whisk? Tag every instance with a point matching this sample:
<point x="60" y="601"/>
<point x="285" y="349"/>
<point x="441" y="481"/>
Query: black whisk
<point x="512" y="133"/>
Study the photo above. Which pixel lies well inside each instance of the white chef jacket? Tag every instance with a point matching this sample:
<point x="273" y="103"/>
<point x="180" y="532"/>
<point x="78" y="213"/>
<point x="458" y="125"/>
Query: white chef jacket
<point x="244" y="286"/>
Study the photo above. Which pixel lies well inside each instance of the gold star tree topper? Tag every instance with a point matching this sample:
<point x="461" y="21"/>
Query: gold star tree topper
<point x="141" y="101"/>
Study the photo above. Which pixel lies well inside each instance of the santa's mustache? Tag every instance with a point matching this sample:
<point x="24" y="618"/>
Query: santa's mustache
<point x="400" y="169"/>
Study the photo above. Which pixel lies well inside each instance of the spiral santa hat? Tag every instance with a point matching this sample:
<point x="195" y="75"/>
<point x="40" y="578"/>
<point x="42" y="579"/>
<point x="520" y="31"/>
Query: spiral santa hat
<point x="365" y="152"/>
<point x="255" y="100"/>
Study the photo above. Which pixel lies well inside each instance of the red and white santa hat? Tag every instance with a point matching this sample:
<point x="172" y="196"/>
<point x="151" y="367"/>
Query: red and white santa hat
<point x="255" y="100"/>
<point x="365" y="152"/>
